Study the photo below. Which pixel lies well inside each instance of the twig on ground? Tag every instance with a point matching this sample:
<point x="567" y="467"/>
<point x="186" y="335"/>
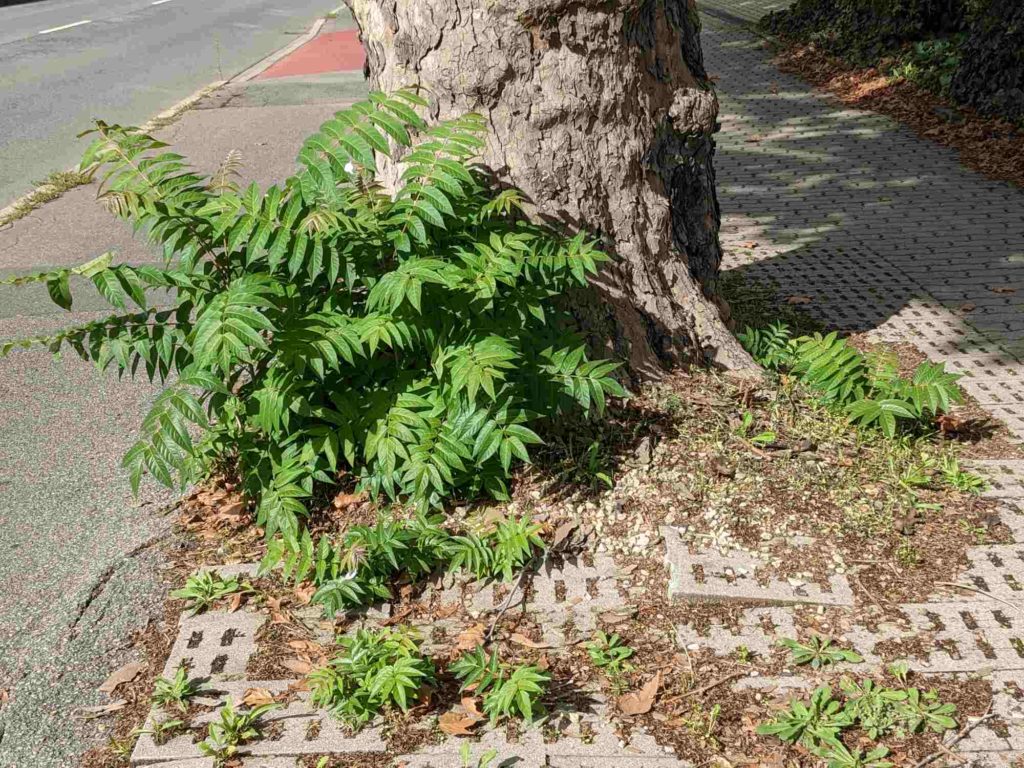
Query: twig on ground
<point x="980" y="592"/>
<point x="989" y="714"/>
<point x="871" y="597"/>
<point x="708" y="687"/>
<point x="511" y="594"/>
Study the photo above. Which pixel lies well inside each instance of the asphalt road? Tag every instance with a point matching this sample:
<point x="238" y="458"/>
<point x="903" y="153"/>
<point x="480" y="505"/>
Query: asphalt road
<point x="65" y="62"/>
<point x="80" y="559"/>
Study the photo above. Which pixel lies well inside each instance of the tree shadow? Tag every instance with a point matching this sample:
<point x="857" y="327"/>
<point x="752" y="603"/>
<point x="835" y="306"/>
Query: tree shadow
<point x="863" y="224"/>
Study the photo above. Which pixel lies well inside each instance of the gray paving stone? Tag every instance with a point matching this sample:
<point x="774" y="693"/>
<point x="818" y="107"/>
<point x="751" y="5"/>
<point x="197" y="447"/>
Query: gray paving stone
<point x="296" y="738"/>
<point x="885" y="232"/>
<point x="574" y="592"/>
<point x="759" y="630"/>
<point x="711" y="575"/>
<point x="215" y="644"/>
<point x="600" y="748"/>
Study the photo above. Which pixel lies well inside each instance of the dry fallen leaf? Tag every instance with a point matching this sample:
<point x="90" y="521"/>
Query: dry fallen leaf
<point x="563" y="532"/>
<point x="304" y="592"/>
<point x="520" y="639"/>
<point x="298" y="666"/>
<point x="470" y="637"/>
<point x="1002" y="289"/>
<point x="455" y="724"/>
<point x="233" y="509"/>
<point x="256" y="697"/>
<point x="748" y="244"/>
<point x="469" y="704"/>
<point x="343" y="500"/>
<point x="968" y="307"/>
<point x="799" y="299"/>
<point x="640" y="702"/>
<point x="236" y="602"/>
<point x="125" y="674"/>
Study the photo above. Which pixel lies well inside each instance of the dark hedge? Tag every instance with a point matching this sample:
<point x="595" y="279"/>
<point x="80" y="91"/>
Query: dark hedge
<point x="990" y="75"/>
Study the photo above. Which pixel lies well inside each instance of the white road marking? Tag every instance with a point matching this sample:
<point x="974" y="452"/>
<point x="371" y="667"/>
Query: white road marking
<point x="66" y="26"/>
<point x="159" y="2"/>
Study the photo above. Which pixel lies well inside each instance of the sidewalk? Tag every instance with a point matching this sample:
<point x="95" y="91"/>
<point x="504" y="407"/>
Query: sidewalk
<point x="883" y="231"/>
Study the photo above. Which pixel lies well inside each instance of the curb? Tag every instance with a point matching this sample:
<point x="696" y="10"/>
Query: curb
<point x="268" y="61"/>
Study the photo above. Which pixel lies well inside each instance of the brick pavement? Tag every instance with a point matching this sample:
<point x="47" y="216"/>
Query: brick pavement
<point x="883" y="231"/>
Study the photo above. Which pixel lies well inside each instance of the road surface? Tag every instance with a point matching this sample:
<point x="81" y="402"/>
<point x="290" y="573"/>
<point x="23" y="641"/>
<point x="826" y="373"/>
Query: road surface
<point x="64" y="62"/>
<point x="80" y="570"/>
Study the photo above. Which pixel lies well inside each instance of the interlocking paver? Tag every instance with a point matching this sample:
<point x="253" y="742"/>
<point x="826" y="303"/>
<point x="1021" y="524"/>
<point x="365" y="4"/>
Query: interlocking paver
<point x="712" y="575"/>
<point x="215" y="644"/>
<point x="883" y="231"/>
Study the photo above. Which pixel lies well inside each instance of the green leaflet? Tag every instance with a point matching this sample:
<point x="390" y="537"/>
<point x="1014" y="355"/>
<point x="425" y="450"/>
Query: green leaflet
<point x="326" y="327"/>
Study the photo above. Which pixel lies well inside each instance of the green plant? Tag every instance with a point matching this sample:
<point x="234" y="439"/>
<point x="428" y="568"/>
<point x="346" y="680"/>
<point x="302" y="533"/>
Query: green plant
<point x="232" y="729"/>
<point x="587" y="467"/>
<point x="874" y="708"/>
<point x="295" y="340"/>
<point x="501" y="552"/>
<point x="900" y="670"/>
<point x="507" y="690"/>
<point x="840" y="756"/>
<point x="204" y="588"/>
<point x="819" y="652"/>
<point x="364" y="564"/>
<point x="484" y="761"/>
<point x="811" y="724"/>
<point x="872" y="705"/>
<point x="907" y="554"/>
<point x="868" y="388"/>
<point x="744" y="655"/>
<point x="924" y="712"/>
<point x="160" y="729"/>
<point x="930" y="64"/>
<point x="977" y="532"/>
<point x="609" y="654"/>
<point x="747" y="427"/>
<point x="961" y="480"/>
<point x="178" y="690"/>
<point x="375" y="669"/>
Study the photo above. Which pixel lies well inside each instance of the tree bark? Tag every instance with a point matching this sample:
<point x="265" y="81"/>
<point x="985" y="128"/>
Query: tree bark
<point x="601" y="112"/>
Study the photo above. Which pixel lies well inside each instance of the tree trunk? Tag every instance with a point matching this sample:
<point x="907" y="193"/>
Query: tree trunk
<point x="602" y="114"/>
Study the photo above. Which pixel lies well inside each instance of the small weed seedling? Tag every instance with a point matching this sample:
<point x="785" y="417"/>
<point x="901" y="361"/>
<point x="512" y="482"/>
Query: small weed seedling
<point x="839" y="756"/>
<point x="176" y="691"/>
<point x="819" y="652"/>
<point x="900" y="670"/>
<point x="205" y="588"/>
<point x="232" y="729"/>
<point x="747" y="428"/>
<point x="160" y="729"/>
<point x="961" y="480"/>
<point x="744" y="655"/>
<point x="484" y="761"/>
<point x="376" y="669"/>
<point x="875" y="709"/>
<point x="816" y="722"/>
<point x="507" y="690"/>
<point x="907" y="554"/>
<point x="609" y="654"/>
<point x="977" y="532"/>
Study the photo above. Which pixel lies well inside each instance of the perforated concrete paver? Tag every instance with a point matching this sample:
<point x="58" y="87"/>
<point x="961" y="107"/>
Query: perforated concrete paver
<point x="712" y="575"/>
<point x="884" y="232"/>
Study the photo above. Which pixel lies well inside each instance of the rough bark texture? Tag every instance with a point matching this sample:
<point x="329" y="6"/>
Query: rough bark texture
<point x="602" y="113"/>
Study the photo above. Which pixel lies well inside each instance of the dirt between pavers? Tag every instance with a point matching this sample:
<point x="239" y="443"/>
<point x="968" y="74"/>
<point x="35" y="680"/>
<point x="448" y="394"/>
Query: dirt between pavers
<point x="673" y="482"/>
